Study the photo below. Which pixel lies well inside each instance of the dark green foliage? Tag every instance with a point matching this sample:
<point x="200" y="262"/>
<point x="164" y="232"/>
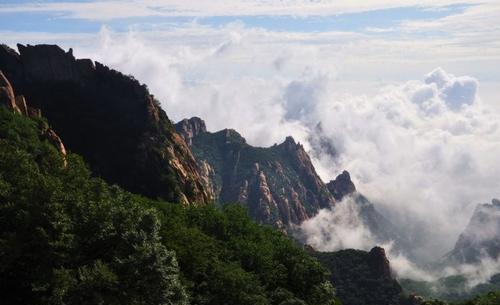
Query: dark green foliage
<point x="451" y="288"/>
<point x="434" y="302"/>
<point x="66" y="238"/>
<point x="356" y="281"/>
<point x="226" y="258"/>
<point x="490" y="298"/>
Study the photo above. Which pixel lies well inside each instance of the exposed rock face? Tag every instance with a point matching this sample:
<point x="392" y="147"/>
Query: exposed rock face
<point x="278" y="184"/>
<point x="189" y="129"/>
<point x="7" y="97"/>
<point x="480" y="238"/>
<point x="108" y="118"/>
<point x="21" y="105"/>
<point x="341" y="186"/>
<point x="55" y="140"/>
<point x="362" y="278"/>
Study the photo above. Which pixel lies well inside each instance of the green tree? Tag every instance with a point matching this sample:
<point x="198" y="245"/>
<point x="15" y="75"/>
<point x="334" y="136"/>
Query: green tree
<point x="67" y="238"/>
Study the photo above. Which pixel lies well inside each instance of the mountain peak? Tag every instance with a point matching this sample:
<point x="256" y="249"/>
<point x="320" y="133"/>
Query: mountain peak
<point x="341" y="186"/>
<point x="361" y="277"/>
<point x="495" y="202"/>
<point x="291" y="145"/>
<point x="190" y="128"/>
<point x="278" y="184"/>
<point x="289" y="140"/>
<point x="51" y="63"/>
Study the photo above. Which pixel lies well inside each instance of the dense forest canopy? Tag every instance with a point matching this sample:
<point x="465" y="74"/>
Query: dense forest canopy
<point x="68" y="238"/>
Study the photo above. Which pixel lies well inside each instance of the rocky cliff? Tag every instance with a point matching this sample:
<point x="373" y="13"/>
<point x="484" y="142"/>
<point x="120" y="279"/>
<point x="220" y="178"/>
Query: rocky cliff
<point x="481" y="237"/>
<point x="278" y="184"/>
<point x="362" y="278"/>
<point x="108" y="118"/>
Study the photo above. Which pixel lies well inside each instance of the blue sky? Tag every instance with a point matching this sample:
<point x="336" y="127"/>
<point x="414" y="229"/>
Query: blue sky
<point x="58" y="21"/>
<point x="375" y="39"/>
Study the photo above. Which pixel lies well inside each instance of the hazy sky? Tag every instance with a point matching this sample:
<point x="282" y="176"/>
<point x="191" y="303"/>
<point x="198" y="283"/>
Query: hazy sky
<point x="407" y="91"/>
<point x="376" y="40"/>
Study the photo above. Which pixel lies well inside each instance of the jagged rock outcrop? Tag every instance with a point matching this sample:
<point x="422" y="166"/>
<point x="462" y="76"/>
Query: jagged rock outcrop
<point x="278" y="184"/>
<point x="7" y="97"/>
<point x="108" y="118"/>
<point x="188" y="129"/>
<point x="362" y="278"/>
<point x="481" y="237"/>
<point x="341" y="186"/>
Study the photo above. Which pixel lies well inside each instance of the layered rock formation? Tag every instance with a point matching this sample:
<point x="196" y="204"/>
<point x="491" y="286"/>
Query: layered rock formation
<point x="362" y="278"/>
<point x="481" y="237"/>
<point x="108" y="118"/>
<point x="278" y="184"/>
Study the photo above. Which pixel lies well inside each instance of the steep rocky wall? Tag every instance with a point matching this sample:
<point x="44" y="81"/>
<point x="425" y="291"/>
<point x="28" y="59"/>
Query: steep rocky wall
<point x="108" y="118"/>
<point x="278" y="184"/>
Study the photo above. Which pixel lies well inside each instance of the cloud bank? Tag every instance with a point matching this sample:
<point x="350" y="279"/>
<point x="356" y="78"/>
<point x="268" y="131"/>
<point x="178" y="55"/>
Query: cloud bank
<point x="340" y="228"/>
<point x="425" y="151"/>
<point x="343" y="228"/>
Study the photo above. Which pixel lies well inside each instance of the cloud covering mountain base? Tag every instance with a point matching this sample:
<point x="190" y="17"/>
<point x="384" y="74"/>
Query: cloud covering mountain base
<point x="424" y="151"/>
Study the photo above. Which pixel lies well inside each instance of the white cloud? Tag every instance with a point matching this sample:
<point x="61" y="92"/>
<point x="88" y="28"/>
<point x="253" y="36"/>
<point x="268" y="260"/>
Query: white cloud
<point x="423" y="151"/>
<point x="340" y="228"/>
<point x="343" y="228"/>
<point x="475" y="273"/>
<point x="113" y="9"/>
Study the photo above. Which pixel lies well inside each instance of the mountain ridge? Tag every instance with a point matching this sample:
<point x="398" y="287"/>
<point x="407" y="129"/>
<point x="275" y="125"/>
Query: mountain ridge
<point x="278" y="184"/>
<point x="108" y="118"/>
